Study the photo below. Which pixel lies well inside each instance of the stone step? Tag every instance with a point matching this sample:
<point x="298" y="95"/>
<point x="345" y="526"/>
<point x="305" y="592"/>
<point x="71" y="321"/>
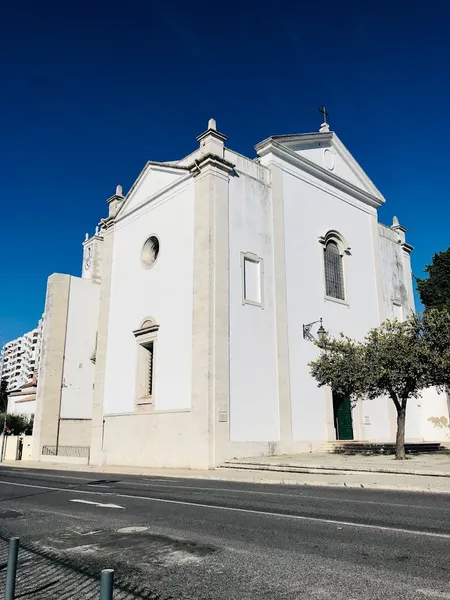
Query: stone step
<point x="358" y="447"/>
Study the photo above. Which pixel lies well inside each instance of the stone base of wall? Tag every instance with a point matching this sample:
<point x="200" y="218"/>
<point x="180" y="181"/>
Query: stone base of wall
<point x="159" y="439"/>
<point x="75" y="432"/>
<point x="64" y="460"/>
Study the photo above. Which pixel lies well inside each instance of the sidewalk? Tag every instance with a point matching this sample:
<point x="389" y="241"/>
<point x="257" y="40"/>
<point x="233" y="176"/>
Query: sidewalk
<point x="434" y="465"/>
<point x="436" y="481"/>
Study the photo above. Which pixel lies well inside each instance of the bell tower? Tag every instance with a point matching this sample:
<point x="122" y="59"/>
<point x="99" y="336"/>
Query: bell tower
<point x="92" y="256"/>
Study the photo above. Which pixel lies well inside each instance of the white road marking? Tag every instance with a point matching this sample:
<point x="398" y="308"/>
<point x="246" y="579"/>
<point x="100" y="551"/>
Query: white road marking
<point x="299" y="495"/>
<point x="97" y="503"/>
<point x="240" y="510"/>
<point x="434" y="594"/>
<point x="233" y="490"/>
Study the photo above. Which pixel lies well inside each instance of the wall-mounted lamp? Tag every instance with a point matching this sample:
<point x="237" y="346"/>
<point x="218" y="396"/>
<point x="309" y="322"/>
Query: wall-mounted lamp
<point x="307" y="335"/>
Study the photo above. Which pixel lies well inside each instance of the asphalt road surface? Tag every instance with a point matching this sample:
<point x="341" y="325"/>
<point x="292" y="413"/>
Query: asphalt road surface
<point x="183" y="538"/>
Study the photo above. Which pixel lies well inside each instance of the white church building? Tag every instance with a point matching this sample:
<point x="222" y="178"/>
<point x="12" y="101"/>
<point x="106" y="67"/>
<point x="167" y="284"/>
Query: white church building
<point x="187" y="339"/>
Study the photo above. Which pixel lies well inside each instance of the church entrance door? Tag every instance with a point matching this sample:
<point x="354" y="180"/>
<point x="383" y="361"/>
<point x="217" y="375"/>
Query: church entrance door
<point x="343" y="422"/>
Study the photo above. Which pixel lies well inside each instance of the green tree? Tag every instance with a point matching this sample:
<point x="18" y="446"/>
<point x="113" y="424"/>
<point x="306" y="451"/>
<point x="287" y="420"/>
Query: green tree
<point x="434" y="290"/>
<point x="436" y="332"/>
<point x="17" y="424"/>
<point x="3" y="395"/>
<point x="397" y="359"/>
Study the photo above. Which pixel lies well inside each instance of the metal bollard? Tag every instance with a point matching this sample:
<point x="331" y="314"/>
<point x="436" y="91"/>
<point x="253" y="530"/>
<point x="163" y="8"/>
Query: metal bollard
<point x="106" y="584"/>
<point x="11" y="569"/>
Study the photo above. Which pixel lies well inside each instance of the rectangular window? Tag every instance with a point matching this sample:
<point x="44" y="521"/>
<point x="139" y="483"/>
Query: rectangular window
<point x="252" y="275"/>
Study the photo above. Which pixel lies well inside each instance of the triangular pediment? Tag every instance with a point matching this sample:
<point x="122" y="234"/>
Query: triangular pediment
<point x="154" y="179"/>
<point x="328" y="153"/>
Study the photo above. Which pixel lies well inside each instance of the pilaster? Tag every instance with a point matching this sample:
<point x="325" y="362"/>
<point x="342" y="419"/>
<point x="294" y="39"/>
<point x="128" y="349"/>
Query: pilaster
<point x="378" y="268"/>
<point x="210" y="333"/>
<point x="96" y="452"/>
<point x="281" y="315"/>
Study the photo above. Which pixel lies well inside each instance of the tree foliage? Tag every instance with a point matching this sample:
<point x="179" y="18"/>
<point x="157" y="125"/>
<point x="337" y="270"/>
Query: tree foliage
<point x="17" y="424"/>
<point x="434" y="290"/>
<point x="3" y="395"/>
<point x="397" y="359"/>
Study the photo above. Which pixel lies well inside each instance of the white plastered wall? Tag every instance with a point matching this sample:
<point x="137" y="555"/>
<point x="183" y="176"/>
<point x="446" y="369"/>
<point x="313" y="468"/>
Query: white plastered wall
<point x="17" y="405"/>
<point x="254" y="413"/>
<point x="79" y="369"/>
<point x="165" y="294"/>
<point x="311" y="210"/>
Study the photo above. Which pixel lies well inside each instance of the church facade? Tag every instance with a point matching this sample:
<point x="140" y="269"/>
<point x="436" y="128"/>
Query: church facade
<point x="187" y="339"/>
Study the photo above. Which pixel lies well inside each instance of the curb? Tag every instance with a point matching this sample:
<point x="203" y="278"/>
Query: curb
<point x="250" y="479"/>
<point x="330" y="470"/>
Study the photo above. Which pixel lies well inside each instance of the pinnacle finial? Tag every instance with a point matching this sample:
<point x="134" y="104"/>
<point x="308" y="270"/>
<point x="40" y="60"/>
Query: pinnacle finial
<point x="212" y="124"/>
<point x="119" y="190"/>
<point x="395" y="221"/>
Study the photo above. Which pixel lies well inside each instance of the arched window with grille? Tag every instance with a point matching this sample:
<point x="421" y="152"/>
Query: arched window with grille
<point x="334" y="271"/>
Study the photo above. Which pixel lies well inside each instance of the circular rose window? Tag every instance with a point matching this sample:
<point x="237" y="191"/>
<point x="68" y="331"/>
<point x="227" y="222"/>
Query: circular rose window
<point x="150" y="252"/>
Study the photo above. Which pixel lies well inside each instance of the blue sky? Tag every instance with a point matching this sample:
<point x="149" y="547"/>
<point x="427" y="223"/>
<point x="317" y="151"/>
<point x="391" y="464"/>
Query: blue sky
<point x="91" y="90"/>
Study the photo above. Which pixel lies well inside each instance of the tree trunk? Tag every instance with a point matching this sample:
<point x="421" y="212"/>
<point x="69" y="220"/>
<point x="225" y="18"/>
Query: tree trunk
<point x="400" y="441"/>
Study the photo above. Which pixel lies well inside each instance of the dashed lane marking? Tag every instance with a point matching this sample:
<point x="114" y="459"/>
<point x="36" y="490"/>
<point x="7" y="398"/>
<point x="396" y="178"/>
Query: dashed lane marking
<point x="99" y="504"/>
<point x="242" y="510"/>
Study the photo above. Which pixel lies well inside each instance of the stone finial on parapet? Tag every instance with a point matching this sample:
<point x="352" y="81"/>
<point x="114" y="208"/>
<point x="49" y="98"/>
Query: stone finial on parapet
<point x="401" y="231"/>
<point x="115" y="201"/>
<point x="212" y="141"/>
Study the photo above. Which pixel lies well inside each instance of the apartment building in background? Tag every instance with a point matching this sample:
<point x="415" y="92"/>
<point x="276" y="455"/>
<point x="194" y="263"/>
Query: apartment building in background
<point x="20" y="358"/>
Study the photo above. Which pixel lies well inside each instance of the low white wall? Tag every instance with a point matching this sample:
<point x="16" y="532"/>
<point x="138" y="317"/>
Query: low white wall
<point x="11" y="446"/>
<point x="435" y="416"/>
<point x="11" y="449"/>
<point x="27" y="447"/>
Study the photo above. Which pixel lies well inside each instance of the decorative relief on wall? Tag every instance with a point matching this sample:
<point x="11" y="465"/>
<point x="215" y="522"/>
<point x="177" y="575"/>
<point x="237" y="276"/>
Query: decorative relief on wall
<point x="329" y="159"/>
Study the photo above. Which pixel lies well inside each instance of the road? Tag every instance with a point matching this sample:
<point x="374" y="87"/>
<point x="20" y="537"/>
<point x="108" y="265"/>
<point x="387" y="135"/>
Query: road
<point x="197" y="539"/>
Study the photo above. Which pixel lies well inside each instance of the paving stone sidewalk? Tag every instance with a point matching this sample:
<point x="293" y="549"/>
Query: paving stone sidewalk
<point x="436" y="464"/>
<point x="42" y="574"/>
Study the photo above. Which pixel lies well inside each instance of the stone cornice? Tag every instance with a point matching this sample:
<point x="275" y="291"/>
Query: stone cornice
<point x="145" y="330"/>
<point x="303" y="137"/>
<point x="114" y="197"/>
<point x="107" y="223"/>
<point x="407" y="247"/>
<point x="213" y="133"/>
<point x="96" y="236"/>
<point x="210" y="160"/>
<point x="291" y="157"/>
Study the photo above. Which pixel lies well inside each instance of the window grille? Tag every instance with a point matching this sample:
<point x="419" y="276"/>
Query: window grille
<point x="334" y="275"/>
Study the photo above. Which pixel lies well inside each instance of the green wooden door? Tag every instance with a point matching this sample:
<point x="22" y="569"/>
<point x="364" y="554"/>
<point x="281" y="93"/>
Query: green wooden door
<point x="342" y="417"/>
